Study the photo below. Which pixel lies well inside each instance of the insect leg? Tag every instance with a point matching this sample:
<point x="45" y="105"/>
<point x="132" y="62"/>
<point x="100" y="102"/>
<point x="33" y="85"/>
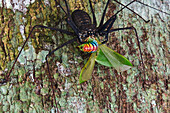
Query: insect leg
<point x="56" y="3"/>
<point x="94" y="17"/>
<point x="140" y="52"/>
<point x="112" y="18"/>
<point x="133" y="28"/>
<point x="68" y="42"/>
<point x="48" y="67"/>
<point x="104" y="13"/>
<point x="69" y="18"/>
<point x="60" y="30"/>
<point x="36" y="26"/>
<point x="2" y="43"/>
<point x="108" y="24"/>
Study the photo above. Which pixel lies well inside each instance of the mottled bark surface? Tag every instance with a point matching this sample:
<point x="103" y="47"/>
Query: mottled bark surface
<point x="29" y="88"/>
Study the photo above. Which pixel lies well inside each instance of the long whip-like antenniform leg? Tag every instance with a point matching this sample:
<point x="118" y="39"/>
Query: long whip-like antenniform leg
<point x="132" y="10"/>
<point x="152" y="7"/>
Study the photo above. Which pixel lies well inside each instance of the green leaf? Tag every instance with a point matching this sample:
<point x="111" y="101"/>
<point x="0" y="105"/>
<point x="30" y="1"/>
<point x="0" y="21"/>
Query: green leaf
<point x="102" y="59"/>
<point x="109" y="57"/>
<point x="87" y="69"/>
